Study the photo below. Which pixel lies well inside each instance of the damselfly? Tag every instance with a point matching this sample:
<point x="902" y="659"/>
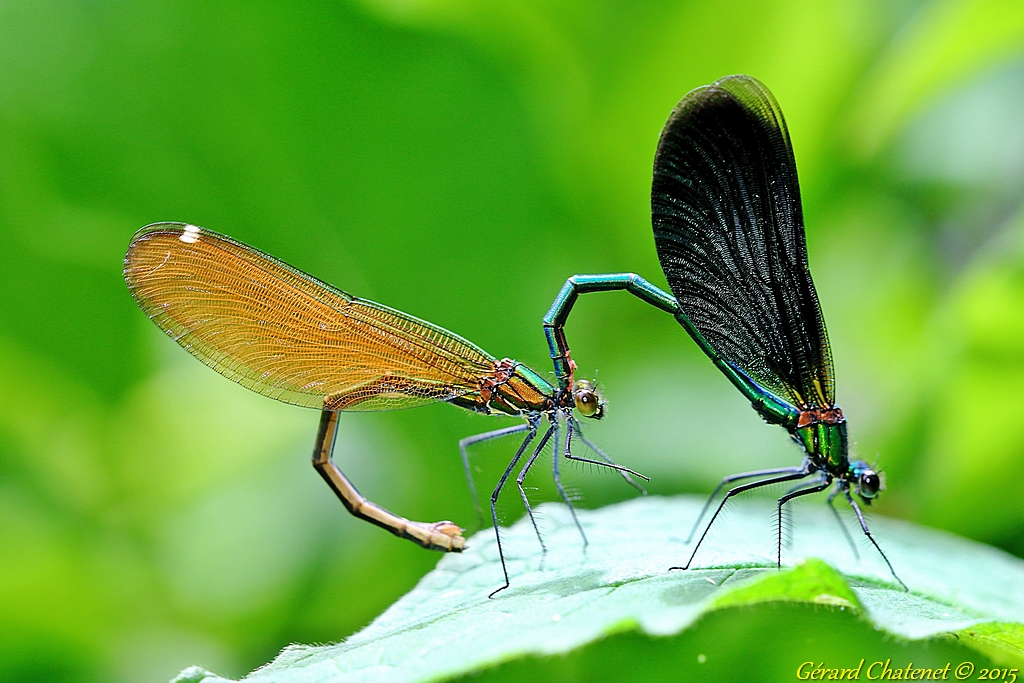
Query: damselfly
<point x="728" y="227"/>
<point x="284" y="334"/>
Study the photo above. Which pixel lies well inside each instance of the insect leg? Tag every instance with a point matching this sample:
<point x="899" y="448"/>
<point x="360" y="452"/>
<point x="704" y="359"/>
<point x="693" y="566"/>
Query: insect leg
<point x="494" y="500"/>
<point x="444" y="536"/>
<point x="737" y="490"/>
<point x="821" y="486"/>
<point x="799" y="486"/>
<point x="464" y="444"/>
<point x="558" y="478"/>
<point x="601" y="454"/>
<point x="736" y="477"/>
<point x="522" y="492"/>
<point x="839" y="520"/>
<point x="864" y="527"/>
<point x="574" y="425"/>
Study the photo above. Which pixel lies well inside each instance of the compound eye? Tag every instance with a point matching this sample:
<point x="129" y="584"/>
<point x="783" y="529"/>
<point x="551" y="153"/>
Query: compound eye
<point x="586" y="402"/>
<point x="869" y="484"/>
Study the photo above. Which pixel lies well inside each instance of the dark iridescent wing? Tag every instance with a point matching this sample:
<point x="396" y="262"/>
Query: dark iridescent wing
<point x="284" y="334"/>
<point x="730" y="236"/>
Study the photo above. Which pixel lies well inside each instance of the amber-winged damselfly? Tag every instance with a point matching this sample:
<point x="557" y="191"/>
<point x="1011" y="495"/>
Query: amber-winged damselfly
<point x="284" y="334"/>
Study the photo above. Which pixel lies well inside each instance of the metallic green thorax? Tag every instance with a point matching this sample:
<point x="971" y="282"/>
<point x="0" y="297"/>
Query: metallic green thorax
<point x="512" y="389"/>
<point x="826" y="444"/>
<point x="526" y="391"/>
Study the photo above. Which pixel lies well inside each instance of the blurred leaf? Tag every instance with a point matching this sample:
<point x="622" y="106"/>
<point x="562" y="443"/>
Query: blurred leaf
<point x="943" y="46"/>
<point x="599" y="80"/>
<point x="447" y="626"/>
<point x="977" y="435"/>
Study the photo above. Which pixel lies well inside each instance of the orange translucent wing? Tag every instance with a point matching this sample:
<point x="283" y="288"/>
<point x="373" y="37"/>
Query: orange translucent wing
<point x="286" y="335"/>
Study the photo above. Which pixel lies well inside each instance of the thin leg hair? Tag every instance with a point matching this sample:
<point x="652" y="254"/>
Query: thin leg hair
<point x="558" y="477"/>
<point x="802" y="473"/>
<point x="522" y="492"/>
<point x="737" y="477"/>
<point x="839" y="520"/>
<point x="464" y="445"/>
<point x="494" y="500"/>
<point x="626" y="473"/>
<point x="821" y="486"/>
<point x="864" y="527"/>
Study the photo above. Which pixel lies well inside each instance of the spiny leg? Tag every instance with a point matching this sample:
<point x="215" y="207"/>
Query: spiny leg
<point x="494" y="499"/>
<point x="608" y="462"/>
<point x="800" y="485"/>
<point x="464" y="444"/>
<point x="522" y="491"/>
<point x="444" y="536"/>
<point x="824" y="484"/>
<point x="735" y="491"/>
<point x="736" y="477"/>
<point x="558" y="478"/>
<point x="864" y="527"/>
<point x="839" y="520"/>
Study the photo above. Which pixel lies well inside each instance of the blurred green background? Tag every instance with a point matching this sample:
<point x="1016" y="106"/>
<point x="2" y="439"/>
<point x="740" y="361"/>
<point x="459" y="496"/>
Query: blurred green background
<point x="458" y="160"/>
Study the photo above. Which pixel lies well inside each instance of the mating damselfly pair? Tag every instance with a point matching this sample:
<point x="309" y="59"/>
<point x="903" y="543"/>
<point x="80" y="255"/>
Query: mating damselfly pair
<point x="728" y="228"/>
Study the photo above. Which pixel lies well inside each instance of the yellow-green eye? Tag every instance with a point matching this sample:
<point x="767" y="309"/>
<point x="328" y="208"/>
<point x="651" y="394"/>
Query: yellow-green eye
<point x="586" y="402"/>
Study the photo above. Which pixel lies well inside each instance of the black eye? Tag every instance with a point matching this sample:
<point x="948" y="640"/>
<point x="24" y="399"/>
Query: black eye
<point x="869" y="484"/>
<point x="586" y="402"/>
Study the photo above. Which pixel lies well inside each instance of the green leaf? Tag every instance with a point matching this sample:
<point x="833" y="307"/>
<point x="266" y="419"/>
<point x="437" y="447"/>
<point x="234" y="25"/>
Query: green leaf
<point x="448" y="627"/>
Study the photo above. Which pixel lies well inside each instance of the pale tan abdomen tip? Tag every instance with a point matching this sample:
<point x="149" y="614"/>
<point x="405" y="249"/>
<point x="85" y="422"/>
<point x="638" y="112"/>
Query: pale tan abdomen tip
<point x="448" y="536"/>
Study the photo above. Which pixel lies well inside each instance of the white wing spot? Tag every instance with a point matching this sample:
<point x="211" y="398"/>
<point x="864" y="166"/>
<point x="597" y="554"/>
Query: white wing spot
<point x="190" y="235"/>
